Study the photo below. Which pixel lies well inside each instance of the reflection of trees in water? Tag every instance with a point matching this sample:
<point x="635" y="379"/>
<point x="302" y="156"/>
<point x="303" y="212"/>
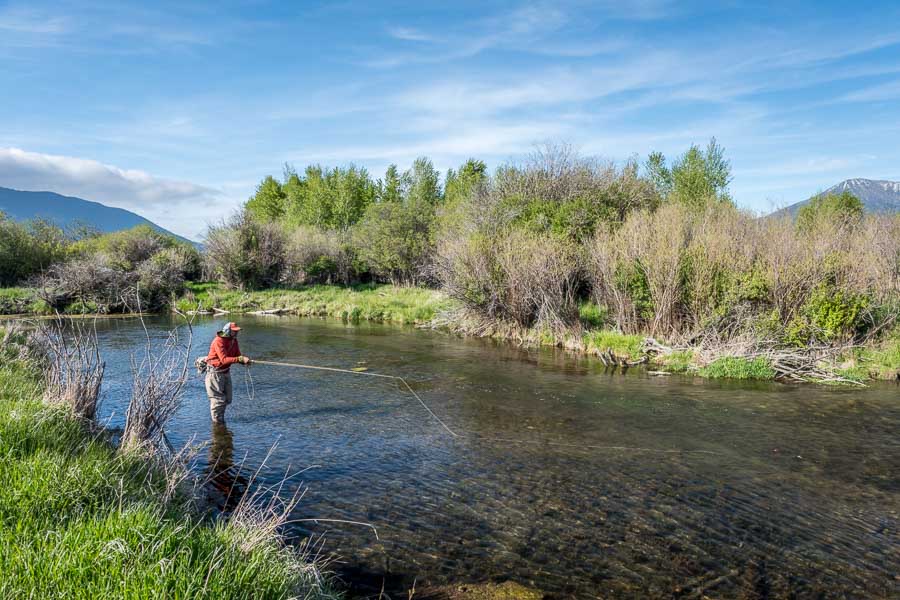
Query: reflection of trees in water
<point x="226" y="484"/>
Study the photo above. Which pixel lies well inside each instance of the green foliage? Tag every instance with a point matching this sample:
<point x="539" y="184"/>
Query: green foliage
<point x="329" y="198"/>
<point x="632" y="279"/>
<point x="681" y="361"/>
<point x="882" y="360"/>
<point x="422" y="185"/>
<point x="394" y="240"/>
<point x="592" y="315"/>
<point x="316" y="256"/>
<point x="460" y="185"/>
<point x="127" y="249"/>
<point x="566" y="195"/>
<point x="696" y="178"/>
<point x="78" y="520"/>
<point x="734" y="367"/>
<point x="390" y="189"/>
<point x="843" y="209"/>
<point x="106" y="273"/>
<point x="659" y="174"/>
<point x="14" y="301"/>
<point x="828" y="315"/>
<point x="269" y="201"/>
<point x="621" y="344"/>
<point x="246" y="253"/>
<point x="28" y="249"/>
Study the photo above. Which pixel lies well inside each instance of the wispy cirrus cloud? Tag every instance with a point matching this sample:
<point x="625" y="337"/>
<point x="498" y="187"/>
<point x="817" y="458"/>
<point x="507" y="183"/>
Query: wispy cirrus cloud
<point x="520" y="26"/>
<point x="409" y="34"/>
<point x="24" y="20"/>
<point x="876" y="93"/>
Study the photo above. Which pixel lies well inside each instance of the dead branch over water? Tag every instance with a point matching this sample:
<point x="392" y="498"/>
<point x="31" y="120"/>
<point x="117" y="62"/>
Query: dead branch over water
<point x="156" y="392"/>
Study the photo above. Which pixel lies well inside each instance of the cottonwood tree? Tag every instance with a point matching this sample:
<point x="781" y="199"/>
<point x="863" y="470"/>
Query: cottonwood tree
<point x="697" y="177"/>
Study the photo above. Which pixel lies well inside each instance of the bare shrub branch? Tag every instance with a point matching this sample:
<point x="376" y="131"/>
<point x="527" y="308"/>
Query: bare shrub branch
<point x="74" y="369"/>
<point x="158" y="381"/>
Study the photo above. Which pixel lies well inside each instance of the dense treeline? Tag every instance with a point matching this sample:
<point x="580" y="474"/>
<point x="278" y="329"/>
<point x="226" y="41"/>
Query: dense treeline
<point x="659" y="247"/>
<point x="82" y="270"/>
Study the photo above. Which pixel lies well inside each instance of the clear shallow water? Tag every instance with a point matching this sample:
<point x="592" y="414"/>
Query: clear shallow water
<point x="653" y="487"/>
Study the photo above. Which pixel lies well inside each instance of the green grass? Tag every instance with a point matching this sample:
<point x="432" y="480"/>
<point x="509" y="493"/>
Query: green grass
<point x="78" y="520"/>
<point x="733" y="367"/>
<point x="879" y="362"/>
<point x="680" y="361"/>
<point x="620" y="343"/>
<point x="592" y="315"/>
<point x="18" y="300"/>
<point x="382" y="303"/>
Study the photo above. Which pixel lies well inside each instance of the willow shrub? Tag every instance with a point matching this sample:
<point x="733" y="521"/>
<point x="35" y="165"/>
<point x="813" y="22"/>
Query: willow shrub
<point x="679" y="273"/>
<point x="523" y="277"/>
<point x="315" y="256"/>
<point x="246" y="253"/>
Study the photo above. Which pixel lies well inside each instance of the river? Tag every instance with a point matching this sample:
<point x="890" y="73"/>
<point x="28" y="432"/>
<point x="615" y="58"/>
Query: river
<point x="565" y="477"/>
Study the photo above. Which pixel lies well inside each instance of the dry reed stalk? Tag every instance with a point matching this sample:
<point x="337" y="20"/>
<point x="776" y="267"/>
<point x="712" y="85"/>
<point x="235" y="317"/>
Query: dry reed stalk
<point x="158" y="381"/>
<point x="74" y="369"/>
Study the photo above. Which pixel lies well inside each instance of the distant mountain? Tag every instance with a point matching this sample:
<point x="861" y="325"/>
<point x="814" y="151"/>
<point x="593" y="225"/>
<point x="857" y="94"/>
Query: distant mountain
<point x="68" y="210"/>
<point x="877" y="196"/>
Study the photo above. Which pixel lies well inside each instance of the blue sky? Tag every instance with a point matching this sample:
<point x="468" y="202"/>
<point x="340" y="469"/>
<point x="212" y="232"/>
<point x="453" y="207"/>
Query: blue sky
<point x="176" y="110"/>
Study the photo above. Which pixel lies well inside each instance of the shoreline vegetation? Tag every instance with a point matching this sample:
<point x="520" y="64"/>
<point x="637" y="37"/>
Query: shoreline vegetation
<point x="83" y="515"/>
<point x="432" y="309"/>
<point x="633" y="262"/>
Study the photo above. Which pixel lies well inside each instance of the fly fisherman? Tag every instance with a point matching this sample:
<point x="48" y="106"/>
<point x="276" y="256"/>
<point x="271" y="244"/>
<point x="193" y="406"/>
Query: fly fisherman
<point x="223" y="352"/>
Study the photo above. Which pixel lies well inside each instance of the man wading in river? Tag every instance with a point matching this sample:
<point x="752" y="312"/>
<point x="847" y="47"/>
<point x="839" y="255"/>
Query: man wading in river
<point x="223" y="352"/>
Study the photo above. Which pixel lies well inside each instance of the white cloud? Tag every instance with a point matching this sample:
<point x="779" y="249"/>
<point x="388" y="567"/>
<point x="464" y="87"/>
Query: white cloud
<point x="21" y="20"/>
<point x="156" y="198"/>
<point x="876" y="93"/>
<point x="408" y="34"/>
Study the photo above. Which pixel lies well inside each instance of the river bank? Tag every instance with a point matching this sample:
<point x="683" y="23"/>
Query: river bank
<point x="424" y="307"/>
<point x="79" y="519"/>
<point x="430" y="308"/>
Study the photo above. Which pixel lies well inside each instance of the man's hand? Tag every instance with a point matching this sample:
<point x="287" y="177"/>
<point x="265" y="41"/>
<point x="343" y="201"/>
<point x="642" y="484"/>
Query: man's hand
<point x="244" y="360"/>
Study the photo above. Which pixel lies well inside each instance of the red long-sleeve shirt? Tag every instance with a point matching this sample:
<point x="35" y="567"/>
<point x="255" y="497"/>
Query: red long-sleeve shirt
<point x="223" y="352"/>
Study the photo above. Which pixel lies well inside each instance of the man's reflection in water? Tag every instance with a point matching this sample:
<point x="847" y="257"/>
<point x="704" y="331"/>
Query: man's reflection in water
<point x="226" y="483"/>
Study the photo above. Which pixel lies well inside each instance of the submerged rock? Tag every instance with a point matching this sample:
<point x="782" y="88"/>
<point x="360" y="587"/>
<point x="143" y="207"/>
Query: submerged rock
<point x="508" y="590"/>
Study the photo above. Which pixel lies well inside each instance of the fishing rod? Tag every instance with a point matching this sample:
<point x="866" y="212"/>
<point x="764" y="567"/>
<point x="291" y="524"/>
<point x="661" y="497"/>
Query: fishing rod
<point x="352" y="372"/>
<point x="454" y="433"/>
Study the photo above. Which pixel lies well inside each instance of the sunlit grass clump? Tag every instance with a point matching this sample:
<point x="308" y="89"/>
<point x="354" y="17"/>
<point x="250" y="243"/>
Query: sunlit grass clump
<point x="735" y="367"/>
<point x="622" y="345"/>
<point x="79" y="520"/>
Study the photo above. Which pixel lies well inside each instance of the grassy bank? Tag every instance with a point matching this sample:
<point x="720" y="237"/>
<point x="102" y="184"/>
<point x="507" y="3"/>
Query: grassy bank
<point x="423" y="306"/>
<point x="79" y="520"/>
<point x="380" y="303"/>
<point x="19" y="300"/>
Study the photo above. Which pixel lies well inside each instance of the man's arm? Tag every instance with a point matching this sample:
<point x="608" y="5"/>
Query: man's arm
<point x="240" y="357"/>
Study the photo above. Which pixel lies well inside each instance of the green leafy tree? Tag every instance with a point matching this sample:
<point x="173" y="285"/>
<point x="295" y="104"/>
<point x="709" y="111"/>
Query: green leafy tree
<point x="696" y="178"/>
<point x="422" y="184"/>
<point x="28" y="249"/>
<point x="330" y="198"/>
<point x="269" y="201"/>
<point x="659" y="174"/>
<point x="842" y="209"/>
<point x="391" y="188"/>
<point x="459" y="185"/>
<point x="395" y="237"/>
<point x="395" y="241"/>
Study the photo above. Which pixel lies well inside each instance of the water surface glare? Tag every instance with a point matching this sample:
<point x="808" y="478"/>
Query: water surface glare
<point x="627" y="485"/>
